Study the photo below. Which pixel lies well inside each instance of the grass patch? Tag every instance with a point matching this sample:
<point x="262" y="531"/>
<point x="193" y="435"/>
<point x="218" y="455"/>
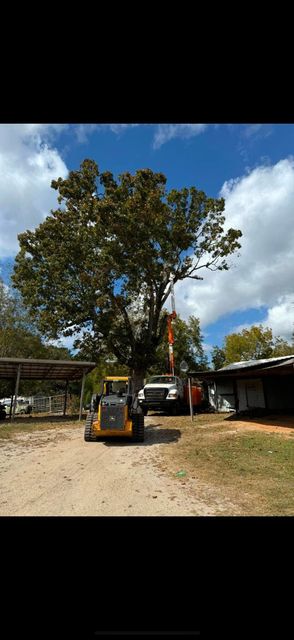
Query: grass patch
<point x="253" y="469"/>
<point x="10" y="430"/>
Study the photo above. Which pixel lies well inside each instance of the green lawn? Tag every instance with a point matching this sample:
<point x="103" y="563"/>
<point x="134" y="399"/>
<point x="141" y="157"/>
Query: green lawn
<point x="254" y="469"/>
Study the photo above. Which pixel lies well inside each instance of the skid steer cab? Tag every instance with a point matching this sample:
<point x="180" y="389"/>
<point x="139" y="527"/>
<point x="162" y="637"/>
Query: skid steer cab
<point x="115" y="412"/>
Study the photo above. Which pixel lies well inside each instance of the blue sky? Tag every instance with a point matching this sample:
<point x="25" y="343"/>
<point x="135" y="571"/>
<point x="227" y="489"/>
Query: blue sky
<point x="252" y="166"/>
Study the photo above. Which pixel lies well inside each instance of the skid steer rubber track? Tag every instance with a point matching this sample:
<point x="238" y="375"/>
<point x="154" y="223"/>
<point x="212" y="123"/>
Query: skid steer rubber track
<point x="89" y="436"/>
<point x="138" y="427"/>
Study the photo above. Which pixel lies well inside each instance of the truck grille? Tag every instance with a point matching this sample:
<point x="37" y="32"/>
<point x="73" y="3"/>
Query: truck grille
<point x="155" y="394"/>
<point x="112" y="417"/>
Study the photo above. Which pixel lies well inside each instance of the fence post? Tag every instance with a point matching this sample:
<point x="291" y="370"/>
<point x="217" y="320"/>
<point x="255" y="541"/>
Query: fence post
<point x="65" y="398"/>
<point x="82" y="393"/>
<point x="190" y="398"/>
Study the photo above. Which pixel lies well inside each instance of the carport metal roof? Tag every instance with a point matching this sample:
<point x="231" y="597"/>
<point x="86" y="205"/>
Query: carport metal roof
<point x="254" y="368"/>
<point x="44" y="369"/>
<point x="30" y="369"/>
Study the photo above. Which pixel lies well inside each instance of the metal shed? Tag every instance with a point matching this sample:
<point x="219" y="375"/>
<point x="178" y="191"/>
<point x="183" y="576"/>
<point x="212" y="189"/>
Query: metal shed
<point x="30" y="369"/>
<point x="266" y="384"/>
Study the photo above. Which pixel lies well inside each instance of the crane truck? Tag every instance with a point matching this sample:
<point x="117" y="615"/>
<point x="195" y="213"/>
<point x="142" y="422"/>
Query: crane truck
<point x="167" y="391"/>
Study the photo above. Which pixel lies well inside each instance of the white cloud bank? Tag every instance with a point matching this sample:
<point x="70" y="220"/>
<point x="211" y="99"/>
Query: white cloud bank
<point x="261" y="204"/>
<point x="28" y="163"/>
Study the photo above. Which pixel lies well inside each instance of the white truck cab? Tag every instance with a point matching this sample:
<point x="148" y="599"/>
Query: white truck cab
<point x="162" y="392"/>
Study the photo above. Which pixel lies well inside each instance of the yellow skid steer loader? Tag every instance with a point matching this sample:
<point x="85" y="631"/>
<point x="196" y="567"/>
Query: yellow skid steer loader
<point x="115" y="412"/>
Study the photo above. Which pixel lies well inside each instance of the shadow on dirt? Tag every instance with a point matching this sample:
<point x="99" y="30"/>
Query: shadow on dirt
<point x="153" y="435"/>
<point x="161" y="414"/>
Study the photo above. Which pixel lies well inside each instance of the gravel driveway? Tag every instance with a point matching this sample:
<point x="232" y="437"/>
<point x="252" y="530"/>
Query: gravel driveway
<point x="54" y="472"/>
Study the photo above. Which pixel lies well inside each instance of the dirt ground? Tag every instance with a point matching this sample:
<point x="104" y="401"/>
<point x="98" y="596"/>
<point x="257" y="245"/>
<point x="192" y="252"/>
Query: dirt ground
<point x="54" y="472"/>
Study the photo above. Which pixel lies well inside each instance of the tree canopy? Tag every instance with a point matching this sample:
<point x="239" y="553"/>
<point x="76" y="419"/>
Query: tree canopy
<point x="100" y="263"/>
<point x="251" y="344"/>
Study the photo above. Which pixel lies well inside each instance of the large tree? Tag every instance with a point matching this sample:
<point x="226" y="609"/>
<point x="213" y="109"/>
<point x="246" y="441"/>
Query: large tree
<point x="100" y="263"/>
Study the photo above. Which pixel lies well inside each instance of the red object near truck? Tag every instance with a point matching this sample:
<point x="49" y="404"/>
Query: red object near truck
<point x="197" y="395"/>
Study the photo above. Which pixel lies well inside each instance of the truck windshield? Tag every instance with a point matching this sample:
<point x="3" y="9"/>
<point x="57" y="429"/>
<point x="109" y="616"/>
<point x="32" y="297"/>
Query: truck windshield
<point x="162" y="380"/>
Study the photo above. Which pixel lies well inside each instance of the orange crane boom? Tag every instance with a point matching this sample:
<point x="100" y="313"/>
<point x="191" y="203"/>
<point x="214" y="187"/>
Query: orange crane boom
<point x="170" y="332"/>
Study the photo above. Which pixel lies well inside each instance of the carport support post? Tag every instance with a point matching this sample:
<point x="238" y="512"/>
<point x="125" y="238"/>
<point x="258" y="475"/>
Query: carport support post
<point x="16" y="391"/>
<point x="81" y="398"/>
<point x="65" y="398"/>
<point x="190" y="398"/>
<point x="11" y="405"/>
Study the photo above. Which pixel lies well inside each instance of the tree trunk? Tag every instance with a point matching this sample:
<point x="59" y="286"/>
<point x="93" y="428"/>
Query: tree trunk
<point x="138" y="376"/>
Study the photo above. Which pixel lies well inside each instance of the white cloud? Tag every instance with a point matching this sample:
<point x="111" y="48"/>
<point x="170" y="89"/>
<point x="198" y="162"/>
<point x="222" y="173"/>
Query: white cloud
<point x="280" y="317"/>
<point x="261" y="204"/>
<point x="166" y="132"/>
<point x="83" y="131"/>
<point x="251" y="130"/>
<point x="28" y="163"/>
<point x="207" y="348"/>
<point x="119" y="128"/>
<point x="163" y="133"/>
<point x="257" y="131"/>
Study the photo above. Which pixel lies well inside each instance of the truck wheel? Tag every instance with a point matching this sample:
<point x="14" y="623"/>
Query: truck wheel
<point x="175" y="409"/>
<point x="138" y="428"/>
<point x="89" y="436"/>
<point x="144" y="410"/>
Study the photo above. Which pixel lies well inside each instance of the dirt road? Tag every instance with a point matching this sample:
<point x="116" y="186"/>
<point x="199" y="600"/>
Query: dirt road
<point x="54" y="472"/>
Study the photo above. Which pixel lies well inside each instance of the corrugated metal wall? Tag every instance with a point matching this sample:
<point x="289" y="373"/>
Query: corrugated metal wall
<point x="271" y="392"/>
<point x="221" y="395"/>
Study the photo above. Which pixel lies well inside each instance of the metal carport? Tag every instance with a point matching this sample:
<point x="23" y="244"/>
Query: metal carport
<point x="30" y="369"/>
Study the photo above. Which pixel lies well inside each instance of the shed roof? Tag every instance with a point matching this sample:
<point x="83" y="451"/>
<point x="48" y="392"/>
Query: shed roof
<point x="44" y="369"/>
<point x="246" y="364"/>
<point x="269" y="366"/>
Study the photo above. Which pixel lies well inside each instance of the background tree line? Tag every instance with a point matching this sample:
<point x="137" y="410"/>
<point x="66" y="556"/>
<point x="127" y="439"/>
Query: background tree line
<point x="250" y="344"/>
<point x="20" y="338"/>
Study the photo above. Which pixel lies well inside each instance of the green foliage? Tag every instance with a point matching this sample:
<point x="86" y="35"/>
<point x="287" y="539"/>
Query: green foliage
<point x="254" y="343"/>
<point x="218" y="357"/>
<point x="19" y="338"/>
<point x="282" y="348"/>
<point x="94" y="379"/>
<point x="100" y="263"/>
<point x="188" y="347"/>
